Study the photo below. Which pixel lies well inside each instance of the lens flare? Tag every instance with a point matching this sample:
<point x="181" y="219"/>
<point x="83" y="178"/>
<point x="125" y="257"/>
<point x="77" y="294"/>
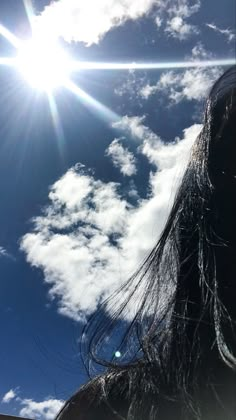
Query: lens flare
<point x="90" y="65"/>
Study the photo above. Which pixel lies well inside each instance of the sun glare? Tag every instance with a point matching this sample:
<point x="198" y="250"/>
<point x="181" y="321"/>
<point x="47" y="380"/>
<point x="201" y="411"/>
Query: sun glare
<point x="44" y="65"/>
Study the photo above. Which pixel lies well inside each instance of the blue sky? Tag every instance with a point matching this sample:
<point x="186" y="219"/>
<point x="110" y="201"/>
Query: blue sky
<point x="85" y="195"/>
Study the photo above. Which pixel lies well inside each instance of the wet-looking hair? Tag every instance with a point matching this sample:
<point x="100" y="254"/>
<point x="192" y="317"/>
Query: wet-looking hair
<point x="178" y="344"/>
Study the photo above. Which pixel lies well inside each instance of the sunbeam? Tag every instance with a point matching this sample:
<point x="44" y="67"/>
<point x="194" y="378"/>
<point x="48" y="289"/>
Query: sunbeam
<point x="29" y="10"/>
<point x="57" y="124"/>
<point x="10" y="37"/>
<point x="106" y="113"/>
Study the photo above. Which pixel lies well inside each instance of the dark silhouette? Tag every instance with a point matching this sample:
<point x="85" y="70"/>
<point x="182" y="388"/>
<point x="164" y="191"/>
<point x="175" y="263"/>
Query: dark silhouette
<point x="178" y="352"/>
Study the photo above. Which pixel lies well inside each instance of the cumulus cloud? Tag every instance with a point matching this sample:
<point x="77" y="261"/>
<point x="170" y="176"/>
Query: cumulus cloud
<point x="90" y="238"/>
<point x="122" y="158"/>
<point x="44" y="410"/>
<point x="177" y="26"/>
<point x="229" y="33"/>
<point x="88" y="21"/>
<point x="10" y="395"/>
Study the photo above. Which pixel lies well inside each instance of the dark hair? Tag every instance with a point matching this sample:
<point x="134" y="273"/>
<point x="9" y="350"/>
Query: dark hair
<point x="176" y="355"/>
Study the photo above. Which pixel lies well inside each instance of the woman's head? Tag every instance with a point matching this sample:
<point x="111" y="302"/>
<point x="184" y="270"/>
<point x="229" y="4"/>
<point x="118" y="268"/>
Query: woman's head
<point x="180" y="318"/>
<point x="179" y="279"/>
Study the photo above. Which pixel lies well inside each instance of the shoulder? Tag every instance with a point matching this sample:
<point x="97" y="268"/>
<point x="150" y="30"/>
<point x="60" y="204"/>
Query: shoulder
<point x="102" y="398"/>
<point x="113" y="395"/>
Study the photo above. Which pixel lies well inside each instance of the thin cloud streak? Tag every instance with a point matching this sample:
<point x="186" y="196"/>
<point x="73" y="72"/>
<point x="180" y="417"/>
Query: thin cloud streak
<point x="229" y="33"/>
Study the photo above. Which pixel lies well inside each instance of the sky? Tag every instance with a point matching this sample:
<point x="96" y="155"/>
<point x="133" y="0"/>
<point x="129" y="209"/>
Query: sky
<point x="89" y="169"/>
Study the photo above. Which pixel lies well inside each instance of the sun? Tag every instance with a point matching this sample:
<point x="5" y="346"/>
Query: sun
<point x="43" y="64"/>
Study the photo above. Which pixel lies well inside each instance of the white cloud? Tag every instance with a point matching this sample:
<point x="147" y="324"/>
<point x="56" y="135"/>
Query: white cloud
<point x="131" y="86"/>
<point x="44" y="410"/>
<point x="190" y="84"/>
<point x="176" y="26"/>
<point x="89" y="238"/>
<point x="200" y="53"/>
<point x="88" y="20"/>
<point x="10" y="395"/>
<point x="193" y="84"/>
<point x="158" y="21"/>
<point x="122" y="158"/>
<point x="148" y="90"/>
<point x="134" y="127"/>
<point x="3" y="252"/>
<point x="229" y="33"/>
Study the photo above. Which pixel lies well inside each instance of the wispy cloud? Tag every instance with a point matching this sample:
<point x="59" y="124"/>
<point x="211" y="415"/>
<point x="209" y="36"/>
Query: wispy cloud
<point x="9" y="396"/>
<point x="5" y="254"/>
<point x="136" y="128"/>
<point x="177" y="25"/>
<point x="131" y="86"/>
<point x="229" y="33"/>
<point x="122" y="158"/>
<point x="89" y="237"/>
<point x="88" y="21"/>
<point x="191" y="84"/>
<point x="200" y="53"/>
<point x="175" y="85"/>
<point x="158" y="21"/>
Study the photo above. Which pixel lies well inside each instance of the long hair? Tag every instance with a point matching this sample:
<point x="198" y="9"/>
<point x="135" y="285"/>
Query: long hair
<point x="179" y="330"/>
